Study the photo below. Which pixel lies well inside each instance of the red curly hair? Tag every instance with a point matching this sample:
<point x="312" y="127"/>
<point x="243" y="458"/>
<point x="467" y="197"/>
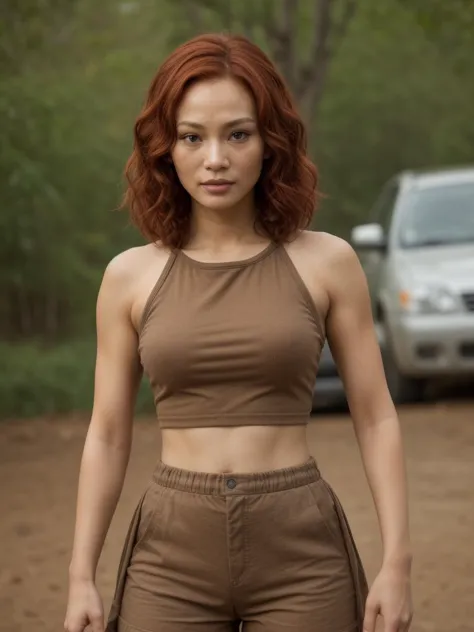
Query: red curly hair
<point x="286" y="192"/>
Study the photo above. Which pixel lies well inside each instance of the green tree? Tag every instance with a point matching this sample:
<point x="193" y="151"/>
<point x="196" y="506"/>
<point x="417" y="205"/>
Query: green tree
<point x="301" y="36"/>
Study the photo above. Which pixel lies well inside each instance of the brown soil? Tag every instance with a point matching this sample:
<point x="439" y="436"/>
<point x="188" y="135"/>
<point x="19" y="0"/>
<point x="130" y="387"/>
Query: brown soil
<point x="39" y="462"/>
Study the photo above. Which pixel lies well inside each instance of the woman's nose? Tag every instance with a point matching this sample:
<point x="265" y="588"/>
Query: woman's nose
<point x="216" y="157"/>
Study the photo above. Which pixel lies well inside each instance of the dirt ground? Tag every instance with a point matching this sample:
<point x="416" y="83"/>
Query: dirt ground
<point x="39" y="462"/>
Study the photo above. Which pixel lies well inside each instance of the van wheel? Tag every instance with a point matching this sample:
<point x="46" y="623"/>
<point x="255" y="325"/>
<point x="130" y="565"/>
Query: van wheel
<point x="403" y="389"/>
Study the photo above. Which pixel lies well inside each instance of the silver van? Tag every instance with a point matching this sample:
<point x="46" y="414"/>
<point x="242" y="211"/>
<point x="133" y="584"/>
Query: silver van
<point x="418" y="255"/>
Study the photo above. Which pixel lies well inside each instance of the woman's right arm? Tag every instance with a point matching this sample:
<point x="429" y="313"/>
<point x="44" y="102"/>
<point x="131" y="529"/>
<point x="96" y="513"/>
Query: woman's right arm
<point x="108" y="442"/>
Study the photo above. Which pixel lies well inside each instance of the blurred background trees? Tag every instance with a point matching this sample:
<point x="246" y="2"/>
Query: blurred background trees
<point x="384" y="85"/>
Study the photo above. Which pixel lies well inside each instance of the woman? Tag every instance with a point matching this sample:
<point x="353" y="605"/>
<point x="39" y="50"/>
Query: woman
<point x="226" y="310"/>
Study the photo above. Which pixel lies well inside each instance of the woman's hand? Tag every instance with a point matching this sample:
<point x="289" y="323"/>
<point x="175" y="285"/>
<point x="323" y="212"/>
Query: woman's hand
<point x="84" y="608"/>
<point x="390" y="597"/>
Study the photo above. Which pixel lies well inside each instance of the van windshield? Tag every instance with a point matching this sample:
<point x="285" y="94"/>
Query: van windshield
<point x="438" y="216"/>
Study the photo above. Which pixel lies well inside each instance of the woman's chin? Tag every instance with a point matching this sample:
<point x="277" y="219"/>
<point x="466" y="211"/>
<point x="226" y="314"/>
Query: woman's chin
<point x="217" y="202"/>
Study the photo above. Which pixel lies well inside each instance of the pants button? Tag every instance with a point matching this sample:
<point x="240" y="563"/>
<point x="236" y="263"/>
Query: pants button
<point x="231" y="483"/>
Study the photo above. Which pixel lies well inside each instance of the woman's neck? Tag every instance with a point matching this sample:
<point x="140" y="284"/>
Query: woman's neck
<point x="217" y="230"/>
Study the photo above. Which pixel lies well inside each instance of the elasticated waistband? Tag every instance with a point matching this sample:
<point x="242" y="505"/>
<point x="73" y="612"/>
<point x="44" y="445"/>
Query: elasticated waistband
<point x="236" y="484"/>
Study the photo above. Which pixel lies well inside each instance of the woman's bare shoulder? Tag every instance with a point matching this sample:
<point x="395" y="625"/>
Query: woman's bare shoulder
<point x="131" y="265"/>
<point x="129" y="278"/>
<point x="314" y="240"/>
<point x="323" y="247"/>
<point x="329" y="260"/>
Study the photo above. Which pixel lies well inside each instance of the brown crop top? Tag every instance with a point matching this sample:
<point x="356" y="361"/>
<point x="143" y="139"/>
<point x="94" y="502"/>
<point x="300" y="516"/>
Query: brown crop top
<point x="232" y="343"/>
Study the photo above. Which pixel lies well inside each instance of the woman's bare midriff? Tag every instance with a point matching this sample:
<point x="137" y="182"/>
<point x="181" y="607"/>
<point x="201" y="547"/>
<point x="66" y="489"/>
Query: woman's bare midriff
<point x="241" y="449"/>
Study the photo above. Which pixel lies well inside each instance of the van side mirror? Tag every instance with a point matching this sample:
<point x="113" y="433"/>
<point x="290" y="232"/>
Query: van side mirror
<point x="369" y="237"/>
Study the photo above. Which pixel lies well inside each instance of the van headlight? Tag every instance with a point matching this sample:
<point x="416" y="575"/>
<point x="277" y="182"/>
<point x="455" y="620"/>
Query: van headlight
<point x="429" y="300"/>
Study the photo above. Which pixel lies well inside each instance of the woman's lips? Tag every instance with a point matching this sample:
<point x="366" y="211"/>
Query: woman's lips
<point x="217" y="188"/>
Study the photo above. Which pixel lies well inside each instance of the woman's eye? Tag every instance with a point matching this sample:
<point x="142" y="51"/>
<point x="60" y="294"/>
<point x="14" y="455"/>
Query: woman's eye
<point x="239" y="135"/>
<point x="191" y="138"/>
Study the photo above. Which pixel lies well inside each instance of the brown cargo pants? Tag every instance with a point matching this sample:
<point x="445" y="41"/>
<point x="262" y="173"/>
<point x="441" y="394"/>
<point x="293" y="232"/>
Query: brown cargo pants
<point x="270" y="551"/>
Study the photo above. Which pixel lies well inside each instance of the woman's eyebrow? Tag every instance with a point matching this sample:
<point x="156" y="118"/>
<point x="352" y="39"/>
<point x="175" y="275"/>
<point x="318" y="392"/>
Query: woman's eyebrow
<point x="239" y="121"/>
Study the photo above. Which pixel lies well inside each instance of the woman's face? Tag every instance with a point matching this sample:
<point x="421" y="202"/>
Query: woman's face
<point x="219" y="151"/>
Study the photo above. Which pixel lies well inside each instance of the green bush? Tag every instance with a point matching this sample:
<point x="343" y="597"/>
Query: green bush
<point x="37" y="380"/>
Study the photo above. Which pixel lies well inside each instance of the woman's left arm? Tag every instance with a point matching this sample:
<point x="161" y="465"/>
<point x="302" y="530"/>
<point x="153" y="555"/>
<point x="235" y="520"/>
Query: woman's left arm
<point x="354" y="345"/>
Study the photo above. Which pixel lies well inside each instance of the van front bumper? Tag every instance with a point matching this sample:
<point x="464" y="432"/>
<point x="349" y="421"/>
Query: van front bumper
<point x="434" y="345"/>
